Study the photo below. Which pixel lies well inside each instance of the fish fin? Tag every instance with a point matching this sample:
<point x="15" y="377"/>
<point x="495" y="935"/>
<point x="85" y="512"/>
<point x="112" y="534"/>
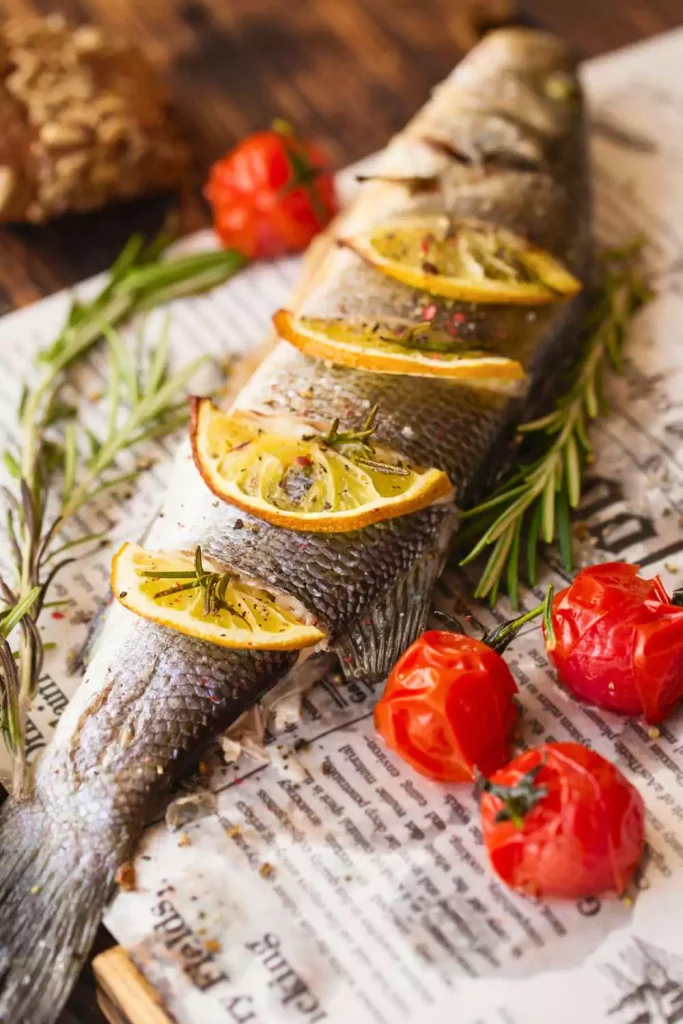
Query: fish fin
<point x="53" y="890"/>
<point x="370" y="648"/>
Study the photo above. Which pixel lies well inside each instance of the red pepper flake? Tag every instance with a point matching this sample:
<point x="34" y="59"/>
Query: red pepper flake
<point x="58" y="615"/>
<point x="303" y="460"/>
<point x="429" y="312"/>
<point x="426" y="242"/>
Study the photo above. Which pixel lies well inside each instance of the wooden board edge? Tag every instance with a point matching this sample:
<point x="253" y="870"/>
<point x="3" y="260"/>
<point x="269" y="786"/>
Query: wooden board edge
<point x="123" y="994"/>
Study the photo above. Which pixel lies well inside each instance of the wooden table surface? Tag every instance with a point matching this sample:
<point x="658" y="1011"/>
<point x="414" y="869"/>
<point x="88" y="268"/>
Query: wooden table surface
<point x="349" y="72"/>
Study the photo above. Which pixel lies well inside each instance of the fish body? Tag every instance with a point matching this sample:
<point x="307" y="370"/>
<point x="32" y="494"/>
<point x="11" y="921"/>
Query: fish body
<point x="504" y="136"/>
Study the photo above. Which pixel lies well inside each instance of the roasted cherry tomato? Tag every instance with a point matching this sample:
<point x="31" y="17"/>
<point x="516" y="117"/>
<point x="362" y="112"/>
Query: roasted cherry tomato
<point x="271" y="194"/>
<point x="448" y="707"/>
<point x="561" y="821"/>
<point x="618" y="641"/>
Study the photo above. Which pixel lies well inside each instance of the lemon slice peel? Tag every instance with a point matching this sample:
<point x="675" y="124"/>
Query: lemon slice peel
<point x="467" y="259"/>
<point x="216" y="605"/>
<point x="298" y="475"/>
<point x="358" y="345"/>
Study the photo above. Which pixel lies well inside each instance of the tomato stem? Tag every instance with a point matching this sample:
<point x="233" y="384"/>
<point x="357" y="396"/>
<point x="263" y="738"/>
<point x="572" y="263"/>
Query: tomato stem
<point x="503" y="635"/>
<point x="517" y="800"/>
<point x="304" y="173"/>
<point x="450" y="621"/>
<point x="500" y="637"/>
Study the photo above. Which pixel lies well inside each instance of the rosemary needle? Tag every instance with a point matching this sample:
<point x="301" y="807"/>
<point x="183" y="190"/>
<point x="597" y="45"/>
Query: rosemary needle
<point x="534" y="503"/>
<point x="356" y="444"/>
<point x="144" y="402"/>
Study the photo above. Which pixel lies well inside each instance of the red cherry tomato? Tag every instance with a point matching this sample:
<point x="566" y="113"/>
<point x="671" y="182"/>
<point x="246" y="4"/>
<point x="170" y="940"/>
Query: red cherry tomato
<point x="448" y="707"/>
<point x="271" y="194"/>
<point x="561" y="821"/>
<point x="619" y="641"/>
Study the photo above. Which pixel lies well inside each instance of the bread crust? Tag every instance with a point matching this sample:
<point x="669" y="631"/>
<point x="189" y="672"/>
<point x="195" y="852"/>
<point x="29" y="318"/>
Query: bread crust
<point x="84" y="121"/>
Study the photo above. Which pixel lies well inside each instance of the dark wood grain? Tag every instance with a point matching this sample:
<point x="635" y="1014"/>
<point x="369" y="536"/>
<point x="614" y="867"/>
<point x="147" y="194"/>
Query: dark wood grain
<point x="349" y="72"/>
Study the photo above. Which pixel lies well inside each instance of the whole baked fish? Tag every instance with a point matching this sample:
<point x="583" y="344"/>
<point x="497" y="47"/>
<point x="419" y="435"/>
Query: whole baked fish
<point x="501" y="140"/>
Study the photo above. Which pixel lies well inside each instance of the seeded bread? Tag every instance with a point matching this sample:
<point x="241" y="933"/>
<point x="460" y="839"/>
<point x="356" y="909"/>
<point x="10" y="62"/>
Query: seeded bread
<point x="83" y="121"/>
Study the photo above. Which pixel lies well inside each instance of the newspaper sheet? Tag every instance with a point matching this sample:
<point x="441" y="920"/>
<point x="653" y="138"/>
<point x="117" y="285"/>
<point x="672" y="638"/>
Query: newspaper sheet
<point x="333" y="883"/>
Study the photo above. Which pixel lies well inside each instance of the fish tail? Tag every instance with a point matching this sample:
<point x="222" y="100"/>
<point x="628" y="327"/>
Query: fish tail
<point x="52" y="894"/>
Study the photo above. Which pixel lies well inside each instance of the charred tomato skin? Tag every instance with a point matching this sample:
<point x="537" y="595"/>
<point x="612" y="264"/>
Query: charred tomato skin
<point x="619" y="641"/>
<point x="448" y="707"/>
<point x="271" y="194"/>
<point x="583" y="837"/>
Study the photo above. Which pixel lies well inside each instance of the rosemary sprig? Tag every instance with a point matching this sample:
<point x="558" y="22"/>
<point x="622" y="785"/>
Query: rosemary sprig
<point x="534" y="502"/>
<point x="336" y="438"/>
<point x="423" y="338"/>
<point x="143" y="403"/>
<point x="358" y="447"/>
<point x="214" y="584"/>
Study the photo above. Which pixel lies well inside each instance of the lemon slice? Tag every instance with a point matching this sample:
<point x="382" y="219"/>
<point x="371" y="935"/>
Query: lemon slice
<point x="406" y="351"/>
<point x="466" y="259"/>
<point x="224" y="609"/>
<point x="295" y="475"/>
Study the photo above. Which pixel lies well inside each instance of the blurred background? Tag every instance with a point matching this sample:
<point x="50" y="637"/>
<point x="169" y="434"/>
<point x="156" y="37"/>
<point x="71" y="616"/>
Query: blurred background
<point x="346" y="72"/>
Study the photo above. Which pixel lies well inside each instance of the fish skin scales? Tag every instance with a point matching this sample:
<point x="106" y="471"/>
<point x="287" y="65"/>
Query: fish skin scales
<point x="152" y="697"/>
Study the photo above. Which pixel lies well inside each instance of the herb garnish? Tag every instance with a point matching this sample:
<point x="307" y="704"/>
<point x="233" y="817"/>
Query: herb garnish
<point x="534" y="502"/>
<point x="214" y="584"/>
<point x="358" y="446"/>
<point x="421" y="337"/>
<point x="60" y="467"/>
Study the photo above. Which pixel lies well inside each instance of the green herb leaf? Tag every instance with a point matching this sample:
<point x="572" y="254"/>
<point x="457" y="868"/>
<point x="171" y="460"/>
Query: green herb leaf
<point x="534" y="503"/>
<point x="11" y="617"/>
<point x="356" y="445"/>
<point x="13" y="467"/>
<point x="140" y="406"/>
<point x="213" y="584"/>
